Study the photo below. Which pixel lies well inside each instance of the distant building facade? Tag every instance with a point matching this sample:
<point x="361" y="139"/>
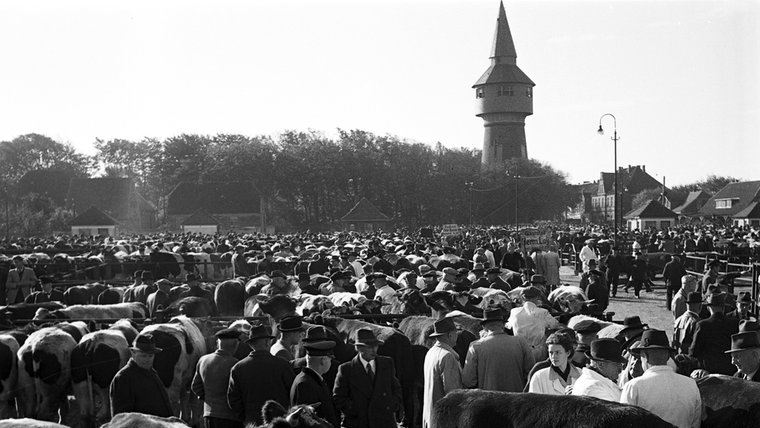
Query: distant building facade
<point x="117" y="197"/>
<point x="631" y="181"/>
<point x="504" y="96"/>
<point x="94" y="222"/>
<point x="236" y="205"/>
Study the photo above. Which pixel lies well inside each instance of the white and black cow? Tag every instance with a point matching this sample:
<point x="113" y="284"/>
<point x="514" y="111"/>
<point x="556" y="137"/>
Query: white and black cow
<point x="28" y="423"/>
<point x="490" y="409"/>
<point x="183" y="344"/>
<point x="141" y="420"/>
<point x="44" y="373"/>
<point x="8" y="374"/>
<point x="94" y="363"/>
<point x="95" y="312"/>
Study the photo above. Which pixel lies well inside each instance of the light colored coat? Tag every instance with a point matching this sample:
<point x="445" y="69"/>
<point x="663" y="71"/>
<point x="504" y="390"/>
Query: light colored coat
<point x="552" y="262"/>
<point x="498" y="362"/>
<point x="683" y="331"/>
<point x="530" y="322"/>
<point x="673" y="397"/>
<point x="443" y="374"/>
<point x="547" y="381"/>
<point x="593" y="384"/>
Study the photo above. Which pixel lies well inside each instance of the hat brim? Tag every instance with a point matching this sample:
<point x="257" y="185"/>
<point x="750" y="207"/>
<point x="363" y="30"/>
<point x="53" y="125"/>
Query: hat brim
<point x="637" y="350"/>
<point x="730" y="351"/>
<point x="620" y="360"/>
<point x="369" y="343"/>
<point x="154" y="351"/>
<point x="633" y="327"/>
<point x="287" y="330"/>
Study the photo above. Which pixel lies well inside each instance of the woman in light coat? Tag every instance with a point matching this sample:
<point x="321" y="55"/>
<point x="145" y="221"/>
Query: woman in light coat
<point x="555" y="379"/>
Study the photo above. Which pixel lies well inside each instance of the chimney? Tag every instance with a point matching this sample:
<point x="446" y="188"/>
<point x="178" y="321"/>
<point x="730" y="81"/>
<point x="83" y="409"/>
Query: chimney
<point x="644" y="168"/>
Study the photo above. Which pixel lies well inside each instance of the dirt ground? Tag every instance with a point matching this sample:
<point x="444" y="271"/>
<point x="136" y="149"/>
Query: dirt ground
<point x="651" y="306"/>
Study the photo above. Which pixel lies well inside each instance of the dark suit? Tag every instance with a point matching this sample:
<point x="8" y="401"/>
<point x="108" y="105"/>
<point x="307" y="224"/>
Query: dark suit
<point x="712" y="337"/>
<point x="310" y="388"/>
<point x="135" y="389"/>
<point x="363" y="404"/>
<point x="255" y="379"/>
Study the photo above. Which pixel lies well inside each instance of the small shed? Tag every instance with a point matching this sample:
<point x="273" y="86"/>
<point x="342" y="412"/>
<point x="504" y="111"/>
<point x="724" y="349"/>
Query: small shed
<point x="364" y="217"/>
<point x="651" y="215"/>
<point x="200" y="222"/>
<point x="749" y="216"/>
<point x="94" y="222"/>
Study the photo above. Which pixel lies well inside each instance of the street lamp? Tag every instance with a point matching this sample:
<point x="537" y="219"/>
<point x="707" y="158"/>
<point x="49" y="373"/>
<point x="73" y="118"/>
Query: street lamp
<point x="615" y="188"/>
<point x="517" y="189"/>
<point x="470" y="185"/>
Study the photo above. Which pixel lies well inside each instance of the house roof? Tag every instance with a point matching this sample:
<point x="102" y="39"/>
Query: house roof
<point x="364" y="210"/>
<point x="201" y="218"/>
<point x="693" y="202"/>
<point x="742" y="194"/>
<point x="652" y="209"/>
<point x="93" y="216"/>
<point x="109" y="194"/>
<point x="631" y="180"/>
<point x="215" y="197"/>
<point x="53" y="183"/>
<point x="752" y="211"/>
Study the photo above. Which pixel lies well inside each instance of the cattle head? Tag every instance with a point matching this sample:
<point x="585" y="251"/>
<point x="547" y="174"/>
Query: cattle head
<point x="305" y="416"/>
<point x="441" y="301"/>
<point x="368" y="306"/>
<point x="412" y="302"/>
<point x="278" y="306"/>
<point x="497" y="299"/>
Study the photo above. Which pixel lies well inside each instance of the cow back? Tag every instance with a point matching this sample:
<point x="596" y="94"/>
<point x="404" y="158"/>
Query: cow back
<point x="140" y="420"/>
<point x="229" y="297"/>
<point x="490" y="409"/>
<point x="729" y="402"/>
<point x="8" y="373"/>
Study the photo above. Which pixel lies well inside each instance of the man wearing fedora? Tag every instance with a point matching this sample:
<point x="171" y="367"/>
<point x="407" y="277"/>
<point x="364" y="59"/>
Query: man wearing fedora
<point x="310" y="387"/>
<point x="447" y="282"/>
<point x="494" y="278"/>
<point x="137" y="387"/>
<point x="141" y="292"/>
<point x="688" y="285"/>
<point x="211" y="379"/>
<point x="442" y="371"/>
<point x="632" y="330"/>
<point x="745" y="355"/>
<point x="662" y="391"/>
<point x="712" y="337"/>
<point x="257" y="378"/>
<point x="599" y="377"/>
<point x="366" y="390"/>
<point x="291" y="332"/>
<point x="683" y="330"/>
<point x="306" y="286"/>
<point x="498" y="361"/>
<point x="743" y="304"/>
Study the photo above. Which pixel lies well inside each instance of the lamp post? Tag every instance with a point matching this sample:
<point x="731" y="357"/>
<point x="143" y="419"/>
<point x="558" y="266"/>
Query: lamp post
<point x="470" y="185"/>
<point x="615" y="188"/>
<point x="517" y="205"/>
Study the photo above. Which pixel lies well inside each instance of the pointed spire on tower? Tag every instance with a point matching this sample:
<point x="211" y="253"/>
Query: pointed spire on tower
<point x="503" y="46"/>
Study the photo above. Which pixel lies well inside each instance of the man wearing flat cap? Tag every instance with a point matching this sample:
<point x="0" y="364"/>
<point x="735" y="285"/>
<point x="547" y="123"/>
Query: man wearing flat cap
<point x="442" y="371"/>
<point x="137" y="387"/>
<point x="366" y="390"/>
<point x="498" y="361"/>
<point x="211" y="379"/>
<point x="273" y="378"/>
<point x="447" y="283"/>
<point x="662" y="391"/>
<point x="712" y="337"/>
<point x="310" y="387"/>
<point x="745" y="355"/>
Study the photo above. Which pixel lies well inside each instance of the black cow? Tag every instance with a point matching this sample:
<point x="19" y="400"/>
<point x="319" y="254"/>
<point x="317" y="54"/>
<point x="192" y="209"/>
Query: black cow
<point x="83" y="294"/>
<point x="489" y="409"/>
<point x="24" y="311"/>
<point x="729" y="402"/>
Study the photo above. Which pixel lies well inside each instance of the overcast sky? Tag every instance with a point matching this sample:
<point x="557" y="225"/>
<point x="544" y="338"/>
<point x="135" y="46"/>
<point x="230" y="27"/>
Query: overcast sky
<point x="681" y="76"/>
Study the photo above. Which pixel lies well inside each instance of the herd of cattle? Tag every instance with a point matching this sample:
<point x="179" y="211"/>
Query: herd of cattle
<point x="57" y="359"/>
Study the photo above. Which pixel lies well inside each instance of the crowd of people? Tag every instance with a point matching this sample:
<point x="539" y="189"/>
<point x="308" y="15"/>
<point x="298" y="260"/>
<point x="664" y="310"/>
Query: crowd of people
<point x="529" y="349"/>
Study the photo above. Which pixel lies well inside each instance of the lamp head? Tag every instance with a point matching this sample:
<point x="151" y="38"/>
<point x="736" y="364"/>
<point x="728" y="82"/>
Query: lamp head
<point x="600" y="130"/>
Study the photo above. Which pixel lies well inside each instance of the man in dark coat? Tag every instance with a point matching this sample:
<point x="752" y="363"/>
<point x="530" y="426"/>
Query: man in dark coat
<point x="48" y="294"/>
<point x="309" y="387"/>
<point x="137" y="387"/>
<point x="673" y="272"/>
<point x="211" y="379"/>
<point x="141" y="292"/>
<point x="195" y="289"/>
<point x="366" y="391"/>
<point x="257" y="378"/>
<point x="712" y="337"/>
<point x="495" y="280"/>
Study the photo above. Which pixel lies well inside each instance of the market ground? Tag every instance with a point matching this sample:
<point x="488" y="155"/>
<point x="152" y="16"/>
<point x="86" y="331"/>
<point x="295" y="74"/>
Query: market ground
<point x="651" y="306"/>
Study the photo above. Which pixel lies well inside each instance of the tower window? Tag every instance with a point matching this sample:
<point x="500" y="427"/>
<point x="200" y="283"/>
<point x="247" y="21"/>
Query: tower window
<point x="505" y="90"/>
<point x="529" y="92"/>
<point x="479" y="93"/>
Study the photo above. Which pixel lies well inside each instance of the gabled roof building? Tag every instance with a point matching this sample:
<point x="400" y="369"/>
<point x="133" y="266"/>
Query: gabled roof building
<point x="115" y="196"/>
<point x="364" y="217"/>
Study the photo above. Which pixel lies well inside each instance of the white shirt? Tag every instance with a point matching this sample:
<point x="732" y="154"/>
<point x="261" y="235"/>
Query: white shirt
<point x="672" y="397"/>
<point x="365" y="363"/>
<point x="547" y="381"/>
<point x="530" y="322"/>
<point x="593" y="384"/>
<point x="587" y="254"/>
